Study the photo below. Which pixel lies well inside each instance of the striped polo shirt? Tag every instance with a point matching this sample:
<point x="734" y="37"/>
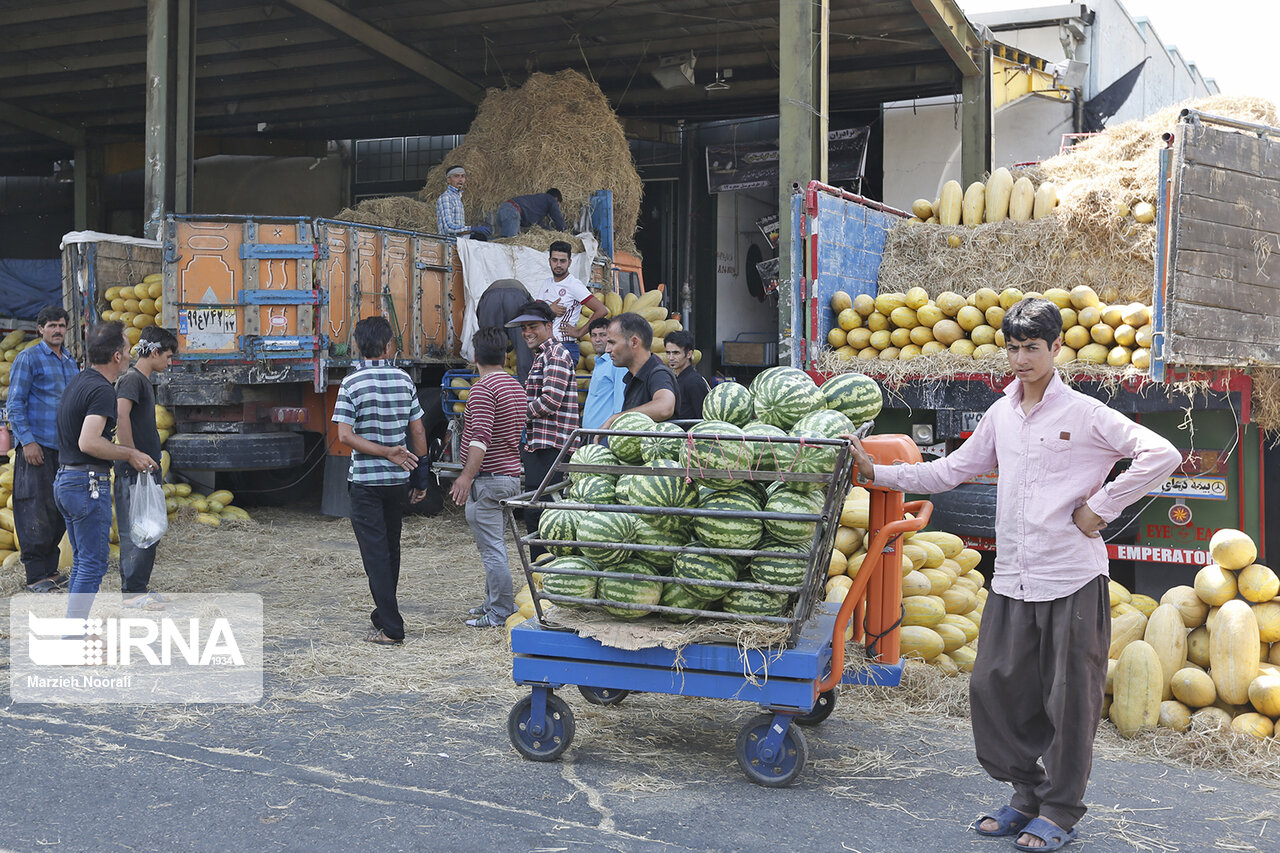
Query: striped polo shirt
<point x="494" y="420"/>
<point x="379" y="401"/>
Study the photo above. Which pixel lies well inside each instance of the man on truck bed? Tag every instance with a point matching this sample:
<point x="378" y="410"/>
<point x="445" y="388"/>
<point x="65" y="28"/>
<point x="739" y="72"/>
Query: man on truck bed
<point x="451" y="217"/>
<point x="525" y="211"/>
<point x="567" y="296"/>
<point x="651" y="386"/>
<point x="1037" y="686"/>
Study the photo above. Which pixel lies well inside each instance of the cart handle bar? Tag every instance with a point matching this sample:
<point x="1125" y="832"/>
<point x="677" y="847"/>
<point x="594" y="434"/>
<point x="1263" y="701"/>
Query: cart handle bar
<point x="923" y="510"/>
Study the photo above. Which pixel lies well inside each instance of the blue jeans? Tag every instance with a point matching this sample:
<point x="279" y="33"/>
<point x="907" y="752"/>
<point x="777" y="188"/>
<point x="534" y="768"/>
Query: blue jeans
<point x="508" y="219"/>
<point x="484" y="515"/>
<point x="135" y="563"/>
<point x="84" y="499"/>
<point x="575" y="351"/>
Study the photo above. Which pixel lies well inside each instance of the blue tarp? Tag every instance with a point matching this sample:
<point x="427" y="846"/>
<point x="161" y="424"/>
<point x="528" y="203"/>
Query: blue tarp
<point x="26" y="286"/>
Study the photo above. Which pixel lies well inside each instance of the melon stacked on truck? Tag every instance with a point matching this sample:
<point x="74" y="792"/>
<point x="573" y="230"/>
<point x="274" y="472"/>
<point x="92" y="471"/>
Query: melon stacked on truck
<point x="1206" y="655"/>
<point x="781" y="402"/>
<point x="136" y="305"/>
<point x="13" y="343"/>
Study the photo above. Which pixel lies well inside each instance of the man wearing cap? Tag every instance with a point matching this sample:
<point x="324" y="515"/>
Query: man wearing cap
<point x="567" y="296"/>
<point x="501" y="302"/>
<point x="451" y="217"/>
<point x="552" y="393"/>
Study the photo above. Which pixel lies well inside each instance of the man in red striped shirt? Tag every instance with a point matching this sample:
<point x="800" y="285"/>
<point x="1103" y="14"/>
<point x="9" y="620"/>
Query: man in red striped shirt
<point x="493" y="421"/>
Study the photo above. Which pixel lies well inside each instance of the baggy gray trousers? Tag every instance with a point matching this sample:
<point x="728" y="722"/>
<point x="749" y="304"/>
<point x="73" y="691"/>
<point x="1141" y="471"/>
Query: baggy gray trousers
<point x="484" y="515"/>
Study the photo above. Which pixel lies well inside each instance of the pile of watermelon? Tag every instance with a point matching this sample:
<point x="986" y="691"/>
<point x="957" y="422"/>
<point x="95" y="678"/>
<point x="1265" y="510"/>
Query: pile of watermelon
<point x="781" y="402"/>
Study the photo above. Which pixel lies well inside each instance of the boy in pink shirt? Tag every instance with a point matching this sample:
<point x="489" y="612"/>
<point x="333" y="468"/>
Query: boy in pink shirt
<point x="1037" y="687"/>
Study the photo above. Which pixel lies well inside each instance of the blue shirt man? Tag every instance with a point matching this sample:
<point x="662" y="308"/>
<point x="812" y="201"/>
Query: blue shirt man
<point x="604" y="395"/>
<point x="451" y="217"/>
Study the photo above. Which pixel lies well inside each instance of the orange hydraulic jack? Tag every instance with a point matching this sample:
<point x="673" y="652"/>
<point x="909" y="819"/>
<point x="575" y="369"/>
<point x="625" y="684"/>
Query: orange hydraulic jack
<point x="874" y="602"/>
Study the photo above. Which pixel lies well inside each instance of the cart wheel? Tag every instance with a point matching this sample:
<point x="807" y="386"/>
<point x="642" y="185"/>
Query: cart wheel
<point x="602" y="695"/>
<point x="557" y="732"/>
<point x="822" y="709"/>
<point x="780" y="770"/>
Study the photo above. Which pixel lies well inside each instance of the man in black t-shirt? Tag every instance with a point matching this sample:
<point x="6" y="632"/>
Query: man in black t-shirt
<point x="691" y="388"/>
<point x="136" y="417"/>
<point x="82" y="487"/>
<point x="651" y="386"/>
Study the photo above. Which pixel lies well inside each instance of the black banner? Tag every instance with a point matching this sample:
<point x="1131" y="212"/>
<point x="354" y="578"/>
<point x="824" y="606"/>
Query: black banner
<point x="755" y="165"/>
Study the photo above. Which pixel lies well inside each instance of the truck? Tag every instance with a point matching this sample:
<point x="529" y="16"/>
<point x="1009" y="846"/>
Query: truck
<point x="1212" y="332"/>
<point x="264" y="308"/>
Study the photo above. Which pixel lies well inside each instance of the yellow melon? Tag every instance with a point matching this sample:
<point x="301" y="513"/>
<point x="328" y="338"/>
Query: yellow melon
<point x="1198" y="646"/>
<point x="917" y="641"/>
<point x="1136" y="689"/>
<point x="1193" y="687"/>
<point x="841" y="301"/>
<point x="1233" y="651"/>
<point x="949" y="303"/>
<point x="1254" y="724"/>
<point x="1232" y="549"/>
<point x="864" y="304"/>
<point x="1257" y="583"/>
<point x="1189" y="604"/>
<point x="1215" y="585"/>
<point x="1174" y="715"/>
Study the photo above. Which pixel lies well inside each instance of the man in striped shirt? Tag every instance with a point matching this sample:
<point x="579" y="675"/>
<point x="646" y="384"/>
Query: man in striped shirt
<point x="490" y="474"/>
<point x="377" y="406"/>
<point x="552" y="394"/>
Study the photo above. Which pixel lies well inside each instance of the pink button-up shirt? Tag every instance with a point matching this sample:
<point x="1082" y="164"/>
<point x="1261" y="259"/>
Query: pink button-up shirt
<point x="1051" y="460"/>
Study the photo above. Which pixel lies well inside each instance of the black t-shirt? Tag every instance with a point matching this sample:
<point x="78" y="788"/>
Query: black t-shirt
<point x="142" y="417"/>
<point x="652" y="377"/>
<point x="693" y="390"/>
<point x="89" y="393"/>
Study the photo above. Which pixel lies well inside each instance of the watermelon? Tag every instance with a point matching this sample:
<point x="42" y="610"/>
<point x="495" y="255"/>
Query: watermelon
<point x="647" y="534"/>
<point x="750" y="602"/>
<point x="592" y="454"/>
<point x="704" y="567"/>
<point x="712" y="446"/>
<point x="678" y="595"/>
<point x="824" y="423"/>
<point x="787" y="500"/>
<point x="657" y="490"/>
<point x="766" y="455"/>
<point x="653" y="448"/>
<point x="784" y="395"/>
<point x="729" y="402"/>
<point x="606" y="527"/>
<point x="559" y="524"/>
<point x="592" y="490"/>
<point x="739" y="532"/>
<point x="817" y="459"/>
<point x="630" y="591"/>
<point x="780" y="571"/>
<point x="627" y="447"/>
<point x="854" y="395"/>
<point x="577" y="586"/>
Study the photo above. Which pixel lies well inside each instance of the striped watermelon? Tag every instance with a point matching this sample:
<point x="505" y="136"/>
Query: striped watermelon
<point x="559" y="524"/>
<point x="606" y="527"/>
<point x="787" y="500"/>
<point x="657" y="490"/>
<point x="817" y="459"/>
<point x="712" y="445"/>
<point x="627" y="447"/>
<point x="592" y="454"/>
<point x="647" y="534"/>
<point x="739" y="532"/>
<point x="592" y="490"/>
<point x="824" y="423"/>
<point x="768" y="456"/>
<point x="780" y="571"/>
<point x="630" y="591"/>
<point x="854" y="395"/>
<point x="578" y="586"/>
<point x="729" y="402"/>
<point x="678" y="595"/>
<point x="652" y="448"/>
<point x="704" y="567"/>
<point x="749" y="602"/>
<point x="784" y="395"/>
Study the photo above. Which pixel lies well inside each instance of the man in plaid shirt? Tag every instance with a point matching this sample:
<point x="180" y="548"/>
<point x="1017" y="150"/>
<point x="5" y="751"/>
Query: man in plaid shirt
<point x="552" y="392"/>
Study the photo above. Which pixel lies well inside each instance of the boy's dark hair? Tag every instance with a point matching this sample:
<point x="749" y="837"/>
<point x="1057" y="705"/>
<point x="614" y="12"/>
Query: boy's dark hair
<point x="1031" y="319"/>
<point x="540" y="308"/>
<point x="372" y="336"/>
<point x="632" y="324"/>
<point x="555" y="193"/>
<point x="490" y="344"/>
<point x="682" y="339"/>
<point x="105" y="340"/>
<point x="598" y="323"/>
<point x="561" y="246"/>
<point x="164" y="340"/>
<point x="51" y="314"/>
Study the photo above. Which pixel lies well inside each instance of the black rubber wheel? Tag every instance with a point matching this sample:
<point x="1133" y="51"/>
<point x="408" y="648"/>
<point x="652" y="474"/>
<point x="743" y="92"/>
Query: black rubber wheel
<point x="775" y="772"/>
<point x="557" y="729"/>
<point x="602" y="695"/>
<point x="199" y="451"/>
<point x="822" y="708"/>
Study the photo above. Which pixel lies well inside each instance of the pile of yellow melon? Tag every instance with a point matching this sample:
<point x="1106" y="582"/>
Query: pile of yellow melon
<point x="13" y="343"/>
<point x="1207" y="655"/>
<point x="136" y="305"/>
<point x="904" y="326"/>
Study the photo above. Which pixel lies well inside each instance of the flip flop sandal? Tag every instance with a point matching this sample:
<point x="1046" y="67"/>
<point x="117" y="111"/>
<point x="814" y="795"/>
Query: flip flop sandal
<point x="380" y="639"/>
<point x="476" y="611"/>
<point x="1054" y="837"/>
<point x="46" y="585"/>
<point x="1010" y="820"/>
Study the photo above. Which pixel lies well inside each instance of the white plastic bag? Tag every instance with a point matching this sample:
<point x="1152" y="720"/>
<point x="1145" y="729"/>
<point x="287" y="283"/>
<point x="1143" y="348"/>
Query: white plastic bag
<point x="148" y="519"/>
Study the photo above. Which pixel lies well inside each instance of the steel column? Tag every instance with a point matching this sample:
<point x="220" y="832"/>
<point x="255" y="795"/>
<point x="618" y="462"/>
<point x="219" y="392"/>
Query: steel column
<point x="171" y="35"/>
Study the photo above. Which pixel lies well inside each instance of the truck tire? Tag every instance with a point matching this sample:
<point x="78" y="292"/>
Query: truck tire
<point x="235" y="451"/>
<point x="970" y="510"/>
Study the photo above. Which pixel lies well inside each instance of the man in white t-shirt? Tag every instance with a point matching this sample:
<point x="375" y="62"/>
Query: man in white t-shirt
<point x="567" y="296"/>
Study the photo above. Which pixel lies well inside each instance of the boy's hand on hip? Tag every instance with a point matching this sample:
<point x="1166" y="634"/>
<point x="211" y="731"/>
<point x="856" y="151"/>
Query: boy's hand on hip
<point x="1089" y="522"/>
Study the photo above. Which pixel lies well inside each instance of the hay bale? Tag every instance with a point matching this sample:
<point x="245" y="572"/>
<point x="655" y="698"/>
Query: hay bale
<point x="392" y="212"/>
<point x="557" y="130"/>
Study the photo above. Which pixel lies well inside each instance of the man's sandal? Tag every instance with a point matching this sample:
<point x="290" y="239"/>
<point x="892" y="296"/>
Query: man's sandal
<point x="1010" y="822"/>
<point x="378" y="638"/>
<point x="1054" y="837"/>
